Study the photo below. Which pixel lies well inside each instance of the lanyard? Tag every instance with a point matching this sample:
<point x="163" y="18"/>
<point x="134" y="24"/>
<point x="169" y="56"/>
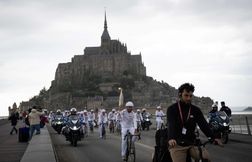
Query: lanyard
<point x="181" y="115"/>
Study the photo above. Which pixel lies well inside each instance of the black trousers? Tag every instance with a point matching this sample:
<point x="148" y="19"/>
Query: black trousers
<point x="13" y="129"/>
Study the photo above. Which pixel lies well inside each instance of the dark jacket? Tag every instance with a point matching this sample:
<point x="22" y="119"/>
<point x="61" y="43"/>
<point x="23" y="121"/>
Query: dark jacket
<point x="175" y="123"/>
<point x="227" y="110"/>
<point x="14" y="119"/>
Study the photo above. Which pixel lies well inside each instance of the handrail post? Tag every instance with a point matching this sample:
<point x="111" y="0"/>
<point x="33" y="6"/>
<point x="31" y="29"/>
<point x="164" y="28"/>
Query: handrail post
<point x="248" y="127"/>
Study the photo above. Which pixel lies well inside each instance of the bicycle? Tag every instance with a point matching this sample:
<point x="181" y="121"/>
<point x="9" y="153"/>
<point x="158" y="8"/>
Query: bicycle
<point x="130" y="147"/>
<point x="103" y="131"/>
<point x="112" y="126"/>
<point x="118" y="127"/>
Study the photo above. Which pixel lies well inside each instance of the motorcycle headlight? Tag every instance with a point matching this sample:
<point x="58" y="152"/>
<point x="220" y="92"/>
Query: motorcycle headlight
<point x="75" y="128"/>
<point x="225" y="124"/>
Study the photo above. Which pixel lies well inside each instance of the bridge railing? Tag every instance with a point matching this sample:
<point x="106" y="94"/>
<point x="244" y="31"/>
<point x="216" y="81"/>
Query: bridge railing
<point x="241" y="123"/>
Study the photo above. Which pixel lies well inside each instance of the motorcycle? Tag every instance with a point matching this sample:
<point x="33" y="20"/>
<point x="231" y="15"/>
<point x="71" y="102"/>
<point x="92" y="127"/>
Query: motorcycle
<point x="146" y="122"/>
<point x="58" y="124"/>
<point x="220" y="124"/>
<point x="74" y="131"/>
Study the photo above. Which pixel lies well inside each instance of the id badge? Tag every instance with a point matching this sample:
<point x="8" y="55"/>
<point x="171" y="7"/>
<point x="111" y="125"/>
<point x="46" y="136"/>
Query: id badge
<point x="183" y="130"/>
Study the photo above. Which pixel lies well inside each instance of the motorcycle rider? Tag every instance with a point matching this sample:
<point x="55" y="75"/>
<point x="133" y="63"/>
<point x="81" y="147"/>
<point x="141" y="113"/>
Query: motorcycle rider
<point x="58" y="114"/>
<point x="112" y="119"/>
<point x="159" y="117"/>
<point x="102" y="120"/>
<point x="145" y="116"/>
<point x="182" y="119"/>
<point x="212" y="113"/>
<point x="128" y="123"/>
<point x="57" y="117"/>
<point x="72" y="116"/>
<point x="226" y="109"/>
<point x="139" y="119"/>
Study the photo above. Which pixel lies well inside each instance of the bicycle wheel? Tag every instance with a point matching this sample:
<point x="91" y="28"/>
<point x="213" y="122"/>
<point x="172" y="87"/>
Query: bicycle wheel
<point x="132" y="152"/>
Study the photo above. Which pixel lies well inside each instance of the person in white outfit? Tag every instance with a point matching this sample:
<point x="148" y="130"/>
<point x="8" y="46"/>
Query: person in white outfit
<point x="102" y="119"/>
<point x="128" y="123"/>
<point x="91" y="117"/>
<point x="139" y="119"/>
<point x="159" y="117"/>
<point x="85" y="122"/>
<point x="118" y="122"/>
<point x="112" y="119"/>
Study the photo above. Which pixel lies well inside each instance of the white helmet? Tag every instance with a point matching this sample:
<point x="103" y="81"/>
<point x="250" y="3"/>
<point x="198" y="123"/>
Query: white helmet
<point x="85" y="111"/>
<point x="129" y="104"/>
<point x="91" y="110"/>
<point x="113" y="110"/>
<point x="159" y="107"/>
<point x="143" y="109"/>
<point x="73" y="111"/>
<point x="138" y="110"/>
<point x="103" y="110"/>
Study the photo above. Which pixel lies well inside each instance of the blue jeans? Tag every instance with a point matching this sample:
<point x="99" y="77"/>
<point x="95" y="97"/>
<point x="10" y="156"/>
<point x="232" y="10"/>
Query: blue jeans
<point x="32" y="129"/>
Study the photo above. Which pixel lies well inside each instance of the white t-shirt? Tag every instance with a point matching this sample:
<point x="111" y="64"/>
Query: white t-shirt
<point x="159" y="115"/>
<point x="128" y="120"/>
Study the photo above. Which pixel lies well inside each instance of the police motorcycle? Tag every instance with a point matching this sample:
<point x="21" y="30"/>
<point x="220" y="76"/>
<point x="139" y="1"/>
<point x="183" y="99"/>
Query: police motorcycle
<point x="58" y="123"/>
<point x="146" y="123"/>
<point x="73" y="129"/>
<point x="220" y="124"/>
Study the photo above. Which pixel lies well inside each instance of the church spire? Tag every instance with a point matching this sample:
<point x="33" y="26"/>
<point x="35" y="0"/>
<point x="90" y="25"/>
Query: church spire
<point x="105" y="22"/>
<point x="105" y="38"/>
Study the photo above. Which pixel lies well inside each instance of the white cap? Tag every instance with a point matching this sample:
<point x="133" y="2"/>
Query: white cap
<point x="159" y="107"/>
<point x="138" y="110"/>
<point x="91" y="110"/>
<point x="103" y="110"/>
<point x="129" y="104"/>
<point x="85" y="111"/>
<point x="113" y="110"/>
<point x="143" y="109"/>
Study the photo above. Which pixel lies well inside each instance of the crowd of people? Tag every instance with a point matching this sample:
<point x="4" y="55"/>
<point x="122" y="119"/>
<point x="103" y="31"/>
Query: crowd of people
<point x="182" y="119"/>
<point x="33" y="119"/>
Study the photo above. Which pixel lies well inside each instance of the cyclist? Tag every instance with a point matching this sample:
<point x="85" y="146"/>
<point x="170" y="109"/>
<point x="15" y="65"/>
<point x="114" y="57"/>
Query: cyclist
<point x="139" y="119"/>
<point x="112" y="119"/>
<point x="159" y="117"/>
<point x="102" y="119"/>
<point x="85" y="122"/>
<point x="128" y="123"/>
<point x="91" y="118"/>
<point x="182" y="119"/>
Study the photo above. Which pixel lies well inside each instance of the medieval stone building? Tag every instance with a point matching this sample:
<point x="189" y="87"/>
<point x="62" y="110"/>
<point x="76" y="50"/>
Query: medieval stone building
<point x="109" y="60"/>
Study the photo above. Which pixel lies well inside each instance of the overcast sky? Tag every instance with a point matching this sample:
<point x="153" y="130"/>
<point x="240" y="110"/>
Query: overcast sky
<point x="205" y="42"/>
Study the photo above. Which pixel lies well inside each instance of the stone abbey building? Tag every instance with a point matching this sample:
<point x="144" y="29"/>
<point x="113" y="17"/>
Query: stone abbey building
<point x="92" y="80"/>
<point x="109" y="60"/>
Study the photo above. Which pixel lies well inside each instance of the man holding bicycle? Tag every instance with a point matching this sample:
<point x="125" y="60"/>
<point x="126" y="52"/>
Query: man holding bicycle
<point x="182" y="119"/>
<point x="128" y="123"/>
